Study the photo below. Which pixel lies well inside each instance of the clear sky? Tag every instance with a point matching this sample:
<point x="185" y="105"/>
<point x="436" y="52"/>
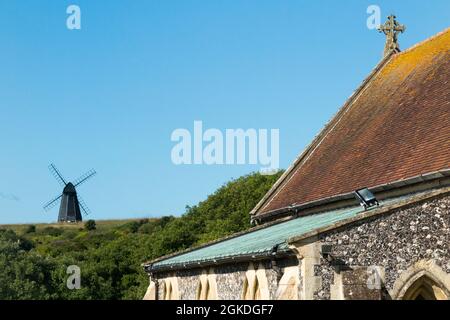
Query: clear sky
<point x="108" y="96"/>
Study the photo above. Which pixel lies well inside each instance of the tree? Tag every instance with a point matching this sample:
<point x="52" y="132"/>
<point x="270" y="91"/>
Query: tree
<point x="23" y="273"/>
<point x="90" y="225"/>
<point x="31" y="229"/>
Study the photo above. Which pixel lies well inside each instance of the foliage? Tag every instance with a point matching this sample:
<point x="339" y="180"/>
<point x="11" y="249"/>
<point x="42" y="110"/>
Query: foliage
<point x="90" y="225"/>
<point x="30" y="229"/>
<point x="34" y="265"/>
<point x="52" y="231"/>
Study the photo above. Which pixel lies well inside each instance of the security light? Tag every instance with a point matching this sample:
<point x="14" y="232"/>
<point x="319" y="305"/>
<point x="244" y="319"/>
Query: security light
<point x="326" y="251"/>
<point x="366" y="198"/>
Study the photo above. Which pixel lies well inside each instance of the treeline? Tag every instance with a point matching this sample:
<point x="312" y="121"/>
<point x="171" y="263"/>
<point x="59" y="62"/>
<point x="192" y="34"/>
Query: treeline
<point x="33" y="263"/>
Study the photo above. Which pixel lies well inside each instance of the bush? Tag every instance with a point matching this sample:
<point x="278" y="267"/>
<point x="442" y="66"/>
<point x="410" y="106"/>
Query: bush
<point x="31" y="229"/>
<point x="52" y="231"/>
<point x="132" y="226"/>
<point x="90" y="225"/>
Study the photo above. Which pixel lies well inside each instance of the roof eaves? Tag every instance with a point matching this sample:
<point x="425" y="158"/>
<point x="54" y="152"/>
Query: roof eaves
<point x="244" y="256"/>
<point x="371" y="213"/>
<point x="294" y="209"/>
<point x="214" y="242"/>
<point x="283" y="248"/>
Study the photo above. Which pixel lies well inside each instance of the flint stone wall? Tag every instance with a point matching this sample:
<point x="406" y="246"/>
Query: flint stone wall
<point x="393" y="241"/>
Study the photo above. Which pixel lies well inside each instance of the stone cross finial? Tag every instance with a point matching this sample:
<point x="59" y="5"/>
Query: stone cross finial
<point x="391" y="29"/>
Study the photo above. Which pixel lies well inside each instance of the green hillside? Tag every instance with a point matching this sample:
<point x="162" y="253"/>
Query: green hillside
<point x="102" y="225"/>
<point x="34" y="258"/>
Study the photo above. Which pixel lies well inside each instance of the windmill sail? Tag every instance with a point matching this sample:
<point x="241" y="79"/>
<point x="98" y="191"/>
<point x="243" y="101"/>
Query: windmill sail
<point x="52" y="203"/>
<point x="84" y="177"/>
<point x="57" y="175"/>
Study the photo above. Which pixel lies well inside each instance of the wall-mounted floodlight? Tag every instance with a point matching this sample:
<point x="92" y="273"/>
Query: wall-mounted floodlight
<point x="366" y="198"/>
<point x="326" y="251"/>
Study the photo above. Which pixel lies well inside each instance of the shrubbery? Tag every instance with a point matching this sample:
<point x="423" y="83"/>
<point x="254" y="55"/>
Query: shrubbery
<point x="31" y="229"/>
<point x="90" y="225"/>
<point x="34" y="265"/>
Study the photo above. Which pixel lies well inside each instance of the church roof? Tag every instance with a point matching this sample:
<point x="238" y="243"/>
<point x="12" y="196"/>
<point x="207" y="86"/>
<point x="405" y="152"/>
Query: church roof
<point x="273" y="239"/>
<point x="257" y="243"/>
<point x="395" y="126"/>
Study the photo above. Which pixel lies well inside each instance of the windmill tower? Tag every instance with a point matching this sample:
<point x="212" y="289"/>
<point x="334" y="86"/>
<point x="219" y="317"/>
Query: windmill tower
<point x="71" y="202"/>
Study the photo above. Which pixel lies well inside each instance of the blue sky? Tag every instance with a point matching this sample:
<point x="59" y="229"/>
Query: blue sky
<point x="108" y="96"/>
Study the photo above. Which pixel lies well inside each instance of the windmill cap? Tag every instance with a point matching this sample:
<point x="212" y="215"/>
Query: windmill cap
<point x="69" y="188"/>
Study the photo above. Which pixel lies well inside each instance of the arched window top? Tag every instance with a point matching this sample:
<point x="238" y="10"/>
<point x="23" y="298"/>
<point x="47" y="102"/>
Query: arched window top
<point x="207" y="287"/>
<point x="203" y="290"/>
<point x="425" y="280"/>
<point x="169" y="288"/>
<point x="198" y="295"/>
<point x="255" y="285"/>
<point x="168" y="291"/>
<point x="425" y="288"/>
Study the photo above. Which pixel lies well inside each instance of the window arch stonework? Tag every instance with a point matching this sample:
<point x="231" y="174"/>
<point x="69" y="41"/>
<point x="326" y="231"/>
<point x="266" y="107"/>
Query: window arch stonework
<point x="288" y="286"/>
<point x="207" y="286"/>
<point x="255" y="284"/>
<point x="424" y="280"/>
<point x="170" y="288"/>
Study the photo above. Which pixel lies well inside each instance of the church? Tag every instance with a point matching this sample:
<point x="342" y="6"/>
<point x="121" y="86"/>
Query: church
<point x="362" y="213"/>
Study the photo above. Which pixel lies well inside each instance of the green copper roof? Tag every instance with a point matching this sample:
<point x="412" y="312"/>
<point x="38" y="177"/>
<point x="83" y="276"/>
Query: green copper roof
<point x="259" y="242"/>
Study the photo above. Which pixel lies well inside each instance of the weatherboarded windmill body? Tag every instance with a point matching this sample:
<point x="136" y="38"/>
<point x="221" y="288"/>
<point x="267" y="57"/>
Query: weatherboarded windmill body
<point x="71" y="203"/>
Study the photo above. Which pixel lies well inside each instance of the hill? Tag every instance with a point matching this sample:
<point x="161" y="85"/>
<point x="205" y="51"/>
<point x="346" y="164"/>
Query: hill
<point x="102" y="225"/>
<point x="34" y="259"/>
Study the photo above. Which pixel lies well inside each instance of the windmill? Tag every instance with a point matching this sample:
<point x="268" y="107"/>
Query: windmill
<point x="71" y="202"/>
